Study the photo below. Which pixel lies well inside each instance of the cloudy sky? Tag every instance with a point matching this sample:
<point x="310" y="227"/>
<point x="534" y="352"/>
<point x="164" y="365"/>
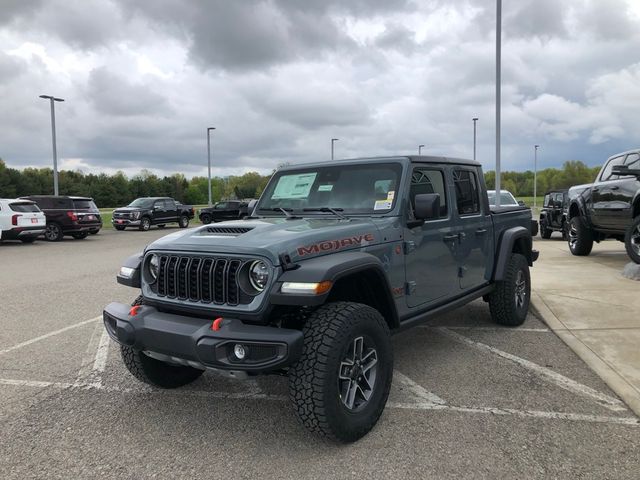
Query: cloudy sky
<point x="279" y="78"/>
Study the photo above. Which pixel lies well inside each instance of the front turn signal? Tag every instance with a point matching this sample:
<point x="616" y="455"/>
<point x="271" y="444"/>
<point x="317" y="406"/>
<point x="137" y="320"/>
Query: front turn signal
<point x="303" y="288"/>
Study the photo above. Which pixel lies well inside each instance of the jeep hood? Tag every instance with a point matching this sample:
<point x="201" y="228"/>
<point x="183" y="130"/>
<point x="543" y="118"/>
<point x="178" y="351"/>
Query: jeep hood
<point x="272" y="237"/>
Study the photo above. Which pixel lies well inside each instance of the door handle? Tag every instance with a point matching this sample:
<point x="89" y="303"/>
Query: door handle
<point x="448" y="238"/>
<point x="481" y="231"/>
<point x="595" y="189"/>
<point x="615" y="187"/>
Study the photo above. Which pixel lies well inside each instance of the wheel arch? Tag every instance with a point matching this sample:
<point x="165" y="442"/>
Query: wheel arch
<point x="512" y="240"/>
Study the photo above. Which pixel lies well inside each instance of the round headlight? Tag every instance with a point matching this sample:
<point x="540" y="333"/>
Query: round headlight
<point x="153" y="266"/>
<point x="258" y="275"/>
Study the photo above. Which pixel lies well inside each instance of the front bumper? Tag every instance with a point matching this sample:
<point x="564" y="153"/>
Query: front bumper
<point x="125" y="222"/>
<point x="191" y="341"/>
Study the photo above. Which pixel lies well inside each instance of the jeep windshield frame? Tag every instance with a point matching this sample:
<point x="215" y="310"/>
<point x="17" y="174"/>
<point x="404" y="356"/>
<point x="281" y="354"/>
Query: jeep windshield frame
<point x="352" y="189"/>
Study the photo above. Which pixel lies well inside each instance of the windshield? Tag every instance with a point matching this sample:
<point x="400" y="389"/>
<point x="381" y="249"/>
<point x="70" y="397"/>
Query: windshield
<point x="142" y="203"/>
<point x="356" y="189"/>
<point x="505" y="198"/>
<point x="85" y="205"/>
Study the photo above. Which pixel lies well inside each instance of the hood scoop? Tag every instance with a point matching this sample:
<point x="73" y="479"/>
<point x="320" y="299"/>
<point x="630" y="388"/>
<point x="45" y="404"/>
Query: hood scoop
<point x="227" y="231"/>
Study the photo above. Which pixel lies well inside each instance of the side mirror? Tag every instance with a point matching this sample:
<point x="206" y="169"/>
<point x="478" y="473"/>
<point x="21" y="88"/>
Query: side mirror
<point x="521" y="203"/>
<point x="625" y="171"/>
<point x="427" y="206"/>
<point x="251" y="207"/>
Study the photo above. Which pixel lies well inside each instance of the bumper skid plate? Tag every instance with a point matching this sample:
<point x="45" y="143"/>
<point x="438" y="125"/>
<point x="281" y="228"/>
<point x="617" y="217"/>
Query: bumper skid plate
<point x="191" y="340"/>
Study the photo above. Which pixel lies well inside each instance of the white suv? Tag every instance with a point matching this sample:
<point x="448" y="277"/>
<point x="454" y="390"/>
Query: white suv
<point x="21" y="220"/>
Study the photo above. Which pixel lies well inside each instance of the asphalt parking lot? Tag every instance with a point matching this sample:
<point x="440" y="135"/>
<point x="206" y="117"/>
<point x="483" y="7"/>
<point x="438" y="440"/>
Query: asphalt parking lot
<point x="469" y="399"/>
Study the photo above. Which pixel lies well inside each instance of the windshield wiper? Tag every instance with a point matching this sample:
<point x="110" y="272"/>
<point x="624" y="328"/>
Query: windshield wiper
<point x="335" y="211"/>
<point x="280" y="209"/>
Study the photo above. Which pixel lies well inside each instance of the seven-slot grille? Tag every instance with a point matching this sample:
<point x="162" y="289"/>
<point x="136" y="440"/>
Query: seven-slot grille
<point x="198" y="279"/>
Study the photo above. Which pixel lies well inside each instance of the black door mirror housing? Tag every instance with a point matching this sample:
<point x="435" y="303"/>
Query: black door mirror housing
<point x="625" y="171"/>
<point x="427" y="206"/>
<point x="521" y="203"/>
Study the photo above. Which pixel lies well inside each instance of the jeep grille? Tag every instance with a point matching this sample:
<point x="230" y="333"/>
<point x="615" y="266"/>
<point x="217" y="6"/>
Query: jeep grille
<point x="199" y="279"/>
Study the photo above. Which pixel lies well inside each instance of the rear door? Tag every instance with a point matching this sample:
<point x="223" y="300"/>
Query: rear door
<point x="474" y="249"/>
<point x="431" y="269"/>
<point x="159" y="212"/>
<point x="171" y="210"/>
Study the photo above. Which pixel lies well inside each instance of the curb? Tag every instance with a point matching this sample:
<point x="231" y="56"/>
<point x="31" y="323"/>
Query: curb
<point x="610" y="376"/>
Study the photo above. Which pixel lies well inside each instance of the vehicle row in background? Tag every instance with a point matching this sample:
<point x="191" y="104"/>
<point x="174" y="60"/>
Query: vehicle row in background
<point x="21" y="220"/>
<point x="508" y="200"/>
<point x="144" y="212"/>
<point x="226" y="210"/>
<point x="608" y="208"/>
<point x="74" y="216"/>
<point x="552" y="215"/>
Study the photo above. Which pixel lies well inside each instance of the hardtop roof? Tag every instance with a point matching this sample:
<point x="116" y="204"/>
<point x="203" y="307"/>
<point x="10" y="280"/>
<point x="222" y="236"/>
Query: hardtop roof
<point x="386" y="159"/>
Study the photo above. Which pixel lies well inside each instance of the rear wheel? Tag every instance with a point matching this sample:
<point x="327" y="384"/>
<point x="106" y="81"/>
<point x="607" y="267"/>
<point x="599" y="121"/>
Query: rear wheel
<point x="205" y="219"/>
<point x="632" y="240"/>
<point x="580" y="237"/>
<point x="145" y="224"/>
<point x="340" y="384"/>
<point x="53" y="233"/>
<point x="184" y="221"/>
<point x="509" y="302"/>
<point x="544" y="231"/>
<point x="80" y="235"/>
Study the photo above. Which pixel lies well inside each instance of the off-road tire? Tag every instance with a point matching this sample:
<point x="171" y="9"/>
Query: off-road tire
<point x="313" y="381"/>
<point x="205" y="219"/>
<point x="145" y="224"/>
<point x="53" y="233"/>
<point x="544" y="231"/>
<point x="183" y="222"/>
<point x="28" y="239"/>
<point x="503" y="301"/>
<point x="632" y="239"/>
<point x="120" y="228"/>
<point x="80" y="236"/>
<point x="580" y="237"/>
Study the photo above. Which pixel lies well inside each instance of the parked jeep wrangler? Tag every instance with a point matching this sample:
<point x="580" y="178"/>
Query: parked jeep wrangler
<point x="608" y="208"/>
<point x="335" y="258"/>
<point x="552" y="215"/>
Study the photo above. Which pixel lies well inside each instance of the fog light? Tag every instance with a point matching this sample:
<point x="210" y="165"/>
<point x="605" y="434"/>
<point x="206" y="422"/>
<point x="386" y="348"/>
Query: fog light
<point x="239" y="351"/>
<point x="127" y="272"/>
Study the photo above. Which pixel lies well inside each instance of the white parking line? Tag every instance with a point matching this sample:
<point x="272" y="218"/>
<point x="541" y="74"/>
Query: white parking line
<point x="428" y="405"/>
<point x="47" y="335"/>
<point x="418" y="390"/>
<point x="606" y="401"/>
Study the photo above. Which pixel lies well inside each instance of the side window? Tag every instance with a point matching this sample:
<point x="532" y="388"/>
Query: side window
<point x="633" y="161"/>
<point x="159" y="204"/>
<point x="221" y="206"/>
<point x="427" y="180"/>
<point x="169" y="204"/>
<point x="62" y="203"/>
<point x="547" y="200"/>
<point x="558" y="200"/>
<point x="467" y="193"/>
<point x="606" y="172"/>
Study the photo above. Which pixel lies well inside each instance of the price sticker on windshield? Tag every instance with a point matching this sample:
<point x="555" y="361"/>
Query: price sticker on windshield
<point x="383" y="205"/>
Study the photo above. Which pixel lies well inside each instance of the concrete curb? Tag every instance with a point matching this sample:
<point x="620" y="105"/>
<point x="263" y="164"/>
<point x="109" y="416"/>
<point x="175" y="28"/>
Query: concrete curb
<point x="611" y="377"/>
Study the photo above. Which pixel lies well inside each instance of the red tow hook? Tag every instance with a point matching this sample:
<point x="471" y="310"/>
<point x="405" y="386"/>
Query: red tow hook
<point x="134" y="310"/>
<point x="217" y="324"/>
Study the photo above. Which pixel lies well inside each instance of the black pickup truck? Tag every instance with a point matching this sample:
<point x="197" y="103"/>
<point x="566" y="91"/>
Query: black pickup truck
<point x="608" y="208"/>
<point x="226" y="210"/>
<point x="334" y="259"/>
<point x="146" y="211"/>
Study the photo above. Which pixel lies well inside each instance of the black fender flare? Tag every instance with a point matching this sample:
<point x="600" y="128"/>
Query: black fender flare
<point x="134" y="261"/>
<point x="508" y="240"/>
<point x="332" y="268"/>
<point x="582" y="211"/>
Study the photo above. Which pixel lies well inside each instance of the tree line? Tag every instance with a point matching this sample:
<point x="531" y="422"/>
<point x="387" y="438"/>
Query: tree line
<point x="118" y="189"/>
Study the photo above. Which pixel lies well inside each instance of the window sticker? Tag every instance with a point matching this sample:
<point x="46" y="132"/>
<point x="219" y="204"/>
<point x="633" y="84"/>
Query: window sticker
<point x="325" y="188"/>
<point x="294" y="186"/>
<point x="383" y="205"/>
<point x="391" y="195"/>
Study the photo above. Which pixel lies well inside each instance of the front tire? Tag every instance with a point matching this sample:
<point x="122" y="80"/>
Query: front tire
<point x="340" y="385"/>
<point x="145" y="224"/>
<point x="205" y="219"/>
<point x="580" y="237"/>
<point x="184" y="221"/>
<point x="632" y="240"/>
<point x="509" y="302"/>
<point x="53" y="233"/>
<point x="544" y="231"/>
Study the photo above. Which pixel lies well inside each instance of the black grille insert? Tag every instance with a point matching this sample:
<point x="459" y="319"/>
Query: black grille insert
<point x="231" y="231"/>
<point x="207" y="280"/>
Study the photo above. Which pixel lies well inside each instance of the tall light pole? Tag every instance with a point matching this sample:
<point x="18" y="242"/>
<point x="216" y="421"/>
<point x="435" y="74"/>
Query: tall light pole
<point x="209" y="160"/>
<point x="474" y="137"/>
<point x="498" y="88"/>
<point x="535" y="175"/>
<point x="420" y="149"/>
<point x="333" y="140"/>
<point x="53" y="136"/>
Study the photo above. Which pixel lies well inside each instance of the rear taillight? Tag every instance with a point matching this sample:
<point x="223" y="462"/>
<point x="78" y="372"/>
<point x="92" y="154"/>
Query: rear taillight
<point x="72" y="216"/>
<point x="14" y="219"/>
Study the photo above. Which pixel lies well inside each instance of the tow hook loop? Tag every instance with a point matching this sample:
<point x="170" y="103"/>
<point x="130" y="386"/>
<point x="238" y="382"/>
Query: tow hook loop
<point x="217" y="324"/>
<point x="134" y="310"/>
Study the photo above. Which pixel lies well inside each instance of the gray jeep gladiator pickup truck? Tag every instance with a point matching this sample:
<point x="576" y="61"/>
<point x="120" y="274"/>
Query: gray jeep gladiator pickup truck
<point x="334" y="259"/>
